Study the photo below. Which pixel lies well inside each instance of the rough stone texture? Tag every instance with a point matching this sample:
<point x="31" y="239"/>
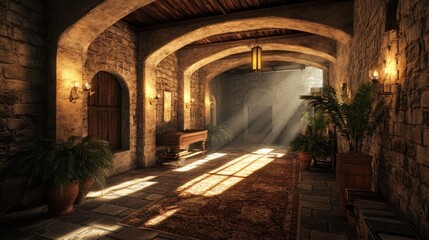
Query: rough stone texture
<point x="23" y="41"/>
<point x="115" y="51"/>
<point x="280" y="90"/>
<point x="166" y="80"/>
<point x="198" y="106"/>
<point x="400" y="147"/>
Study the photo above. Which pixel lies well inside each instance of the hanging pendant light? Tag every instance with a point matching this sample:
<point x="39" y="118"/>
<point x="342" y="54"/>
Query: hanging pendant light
<point x="256" y="55"/>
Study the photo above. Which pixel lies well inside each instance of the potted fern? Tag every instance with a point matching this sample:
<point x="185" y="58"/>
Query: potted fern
<point x="61" y="168"/>
<point x="356" y="118"/>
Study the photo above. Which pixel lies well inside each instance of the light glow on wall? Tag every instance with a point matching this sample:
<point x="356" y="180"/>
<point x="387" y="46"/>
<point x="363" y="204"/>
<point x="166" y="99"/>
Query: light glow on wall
<point x="390" y="69"/>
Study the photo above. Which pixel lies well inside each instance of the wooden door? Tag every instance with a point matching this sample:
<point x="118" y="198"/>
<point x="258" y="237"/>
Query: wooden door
<point x="104" y="109"/>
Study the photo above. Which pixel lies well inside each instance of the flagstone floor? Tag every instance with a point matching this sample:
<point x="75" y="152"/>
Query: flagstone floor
<point x="98" y="217"/>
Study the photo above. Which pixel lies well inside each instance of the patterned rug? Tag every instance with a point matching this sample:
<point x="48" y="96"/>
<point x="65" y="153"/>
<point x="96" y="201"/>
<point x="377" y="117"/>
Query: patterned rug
<point x="248" y="198"/>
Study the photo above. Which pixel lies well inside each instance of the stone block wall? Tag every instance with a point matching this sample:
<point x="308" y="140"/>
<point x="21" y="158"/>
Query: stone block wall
<point x="281" y="90"/>
<point x="198" y="106"/>
<point x="166" y="80"/>
<point x="401" y="145"/>
<point x="115" y="51"/>
<point x="23" y="74"/>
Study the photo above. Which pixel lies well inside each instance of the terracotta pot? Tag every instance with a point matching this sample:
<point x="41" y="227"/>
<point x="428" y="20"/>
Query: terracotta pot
<point x="60" y="201"/>
<point x="84" y="190"/>
<point x="352" y="171"/>
<point x="304" y="160"/>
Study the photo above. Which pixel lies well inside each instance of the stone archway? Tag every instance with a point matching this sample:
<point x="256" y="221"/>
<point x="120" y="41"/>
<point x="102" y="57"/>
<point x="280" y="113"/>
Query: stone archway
<point x="70" y="54"/>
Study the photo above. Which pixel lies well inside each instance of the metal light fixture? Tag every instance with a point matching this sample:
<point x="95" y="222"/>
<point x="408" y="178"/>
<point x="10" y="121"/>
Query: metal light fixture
<point x="153" y="99"/>
<point x="374" y="75"/>
<point x="74" y="93"/>
<point x="256" y="55"/>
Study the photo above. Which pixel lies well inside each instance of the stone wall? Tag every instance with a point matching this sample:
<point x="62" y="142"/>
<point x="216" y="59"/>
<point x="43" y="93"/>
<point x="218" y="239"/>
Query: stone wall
<point x="197" y="107"/>
<point x="401" y="147"/>
<point x="115" y="51"/>
<point x="23" y="60"/>
<point x="279" y="90"/>
<point x="166" y="80"/>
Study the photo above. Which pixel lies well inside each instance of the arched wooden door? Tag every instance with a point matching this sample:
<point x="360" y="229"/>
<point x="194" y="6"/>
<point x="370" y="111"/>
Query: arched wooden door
<point x="104" y="109"/>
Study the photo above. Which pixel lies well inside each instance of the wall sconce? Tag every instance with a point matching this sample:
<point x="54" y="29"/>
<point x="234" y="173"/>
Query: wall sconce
<point x="387" y="88"/>
<point x="374" y="75"/>
<point x="192" y="100"/>
<point x="187" y="105"/>
<point x="211" y="104"/>
<point x="87" y="87"/>
<point x="74" y="93"/>
<point x="153" y="100"/>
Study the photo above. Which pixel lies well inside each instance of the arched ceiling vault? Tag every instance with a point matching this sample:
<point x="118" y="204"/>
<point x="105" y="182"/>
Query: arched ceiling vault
<point x="328" y="20"/>
<point x="311" y="54"/>
<point x="215" y="68"/>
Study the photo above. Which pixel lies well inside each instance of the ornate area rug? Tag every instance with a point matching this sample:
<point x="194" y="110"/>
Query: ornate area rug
<point x="248" y="198"/>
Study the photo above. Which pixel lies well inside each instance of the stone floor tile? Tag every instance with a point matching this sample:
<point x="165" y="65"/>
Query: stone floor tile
<point x="79" y="217"/>
<point x="318" y="235"/>
<point x="139" y="195"/>
<point x="90" y="204"/>
<point x="340" y="227"/>
<point x="41" y="226"/>
<point x="331" y="215"/>
<point x="314" y="224"/>
<point x="154" y="196"/>
<point x="306" y="211"/>
<point x="124" y="192"/>
<point x="318" y="206"/>
<point x="91" y="233"/>
<point x="158" y="190"/>
<point x="304" y="234"/>
<point x="106" y="238"/>
<point x="64" y="231"/>
<point x="318" y="199"/>
<point x="134" y="203"/>
<point x="129" y="233"/>
<point x="126" y="213"/>
<point x="109" y="209"/>
<point x="106" y="222"/>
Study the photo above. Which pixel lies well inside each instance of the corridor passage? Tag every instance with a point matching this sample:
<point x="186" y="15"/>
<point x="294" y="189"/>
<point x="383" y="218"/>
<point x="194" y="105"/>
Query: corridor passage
<point x="307" y="207"/>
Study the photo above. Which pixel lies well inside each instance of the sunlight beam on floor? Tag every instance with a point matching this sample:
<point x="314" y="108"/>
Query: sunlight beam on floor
<point x="223" y="178"/>
<point x="160" y="218"/>
<point x="263" y="151"/>
<point x="136" y="185"/>
<point x="200" y="162"/>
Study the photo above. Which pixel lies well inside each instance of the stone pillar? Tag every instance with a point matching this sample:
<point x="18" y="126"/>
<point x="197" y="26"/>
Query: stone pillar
<point x="147" y="132"/>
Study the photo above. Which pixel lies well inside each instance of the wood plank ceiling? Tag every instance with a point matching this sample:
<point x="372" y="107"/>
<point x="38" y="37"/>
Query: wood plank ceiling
<point x="166" y="12"/>
<point x="175" y="11"/>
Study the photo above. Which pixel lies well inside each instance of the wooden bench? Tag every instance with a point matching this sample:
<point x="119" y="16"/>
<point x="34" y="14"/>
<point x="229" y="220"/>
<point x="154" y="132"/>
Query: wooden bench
<point x="374" y="219"/>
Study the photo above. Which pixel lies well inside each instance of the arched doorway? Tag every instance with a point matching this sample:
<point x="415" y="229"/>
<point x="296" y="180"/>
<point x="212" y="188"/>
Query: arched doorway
<point x="105" y="109"/>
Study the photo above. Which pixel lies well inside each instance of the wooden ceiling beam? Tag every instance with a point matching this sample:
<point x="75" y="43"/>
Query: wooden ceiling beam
<point x="218" y="5"/>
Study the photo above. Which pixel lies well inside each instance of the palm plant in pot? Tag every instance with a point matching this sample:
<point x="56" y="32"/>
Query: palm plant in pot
<point x="313" y="142"/>
<point x="60" y="167"/>
<point x="356" y="118"/>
